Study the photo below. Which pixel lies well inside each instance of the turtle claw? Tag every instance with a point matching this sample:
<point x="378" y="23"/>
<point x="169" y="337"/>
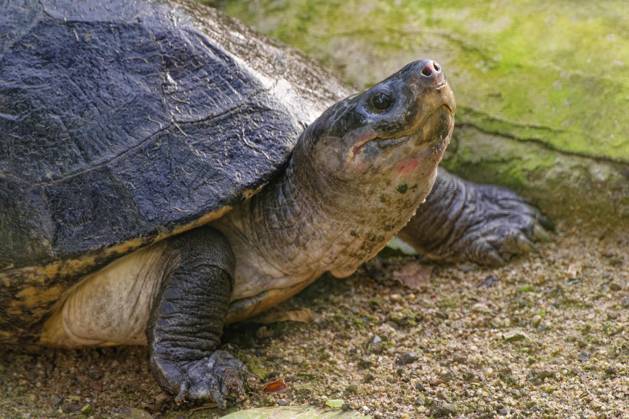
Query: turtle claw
<point x="519" y="243"/>
<point x="512" y="227"/>
<point x="483" y="253"/>
<point x="464" y="221"/>
<point x="217" y="377"/>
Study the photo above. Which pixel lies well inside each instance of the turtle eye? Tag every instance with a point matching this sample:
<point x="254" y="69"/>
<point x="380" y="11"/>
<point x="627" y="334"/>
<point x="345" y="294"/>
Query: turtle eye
<point x="381" y="101"/>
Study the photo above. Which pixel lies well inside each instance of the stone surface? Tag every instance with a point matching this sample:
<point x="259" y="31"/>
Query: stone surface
<point x="294" y="412"/>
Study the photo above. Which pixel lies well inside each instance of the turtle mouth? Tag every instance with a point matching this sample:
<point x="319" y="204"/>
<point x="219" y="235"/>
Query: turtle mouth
<point x="414" y="133"/>
<point x="381" y="142"/>
<point x="390" y="142"/>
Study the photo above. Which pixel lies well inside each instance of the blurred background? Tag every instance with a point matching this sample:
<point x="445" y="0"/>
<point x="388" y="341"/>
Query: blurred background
<point x="542" y="87"/>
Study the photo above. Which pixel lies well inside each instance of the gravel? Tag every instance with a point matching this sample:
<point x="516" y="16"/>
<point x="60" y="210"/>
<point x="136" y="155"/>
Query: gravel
<point x="545" y="336"/>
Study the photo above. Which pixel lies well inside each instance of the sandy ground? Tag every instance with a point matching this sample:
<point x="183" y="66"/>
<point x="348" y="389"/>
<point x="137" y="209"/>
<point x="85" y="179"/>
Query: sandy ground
<point x="545" y="336"/>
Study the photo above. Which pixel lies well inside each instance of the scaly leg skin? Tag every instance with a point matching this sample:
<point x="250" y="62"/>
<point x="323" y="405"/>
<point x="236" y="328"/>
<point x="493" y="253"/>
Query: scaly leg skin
<point x="187" y="319"/>
<point x="464" y="221"/>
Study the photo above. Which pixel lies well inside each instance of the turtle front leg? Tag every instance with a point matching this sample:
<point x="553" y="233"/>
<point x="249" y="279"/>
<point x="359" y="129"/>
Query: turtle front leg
<point x="464" y="221"/>
<point x="187" y="320"/>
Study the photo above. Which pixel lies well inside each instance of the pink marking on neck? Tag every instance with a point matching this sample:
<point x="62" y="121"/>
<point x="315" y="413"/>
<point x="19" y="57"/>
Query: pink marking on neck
<point x="406" y="167"/>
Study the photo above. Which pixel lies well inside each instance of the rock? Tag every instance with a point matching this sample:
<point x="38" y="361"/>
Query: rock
<point x="531" y="112"/>
<point x="386" y="330"/>
<point x="536" y="320"/>
<point x="414" y="275"/>
<point x="395" y="298"/>
<point x="70" y="406"/>
<point x="441" y="409"/>
<point x="481" y="308"/>
<point x="515" y="335"/>
<point x="407" y="358"/>
<point x="489" y="281"/>
<point x="334" y="403"/>
<point x="291" y="412"/>
<point x="615" y="286"/>
<point x="351" y="389"/>
<point x="375" y="345"/>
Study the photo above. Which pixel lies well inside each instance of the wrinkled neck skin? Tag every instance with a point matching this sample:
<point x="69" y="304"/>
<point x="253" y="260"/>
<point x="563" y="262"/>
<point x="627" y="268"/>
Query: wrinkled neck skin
<point x="306" y="223"/>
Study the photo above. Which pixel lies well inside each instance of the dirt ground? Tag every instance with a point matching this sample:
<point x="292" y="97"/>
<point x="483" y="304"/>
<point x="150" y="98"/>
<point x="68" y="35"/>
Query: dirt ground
<point x="545" y="336"/>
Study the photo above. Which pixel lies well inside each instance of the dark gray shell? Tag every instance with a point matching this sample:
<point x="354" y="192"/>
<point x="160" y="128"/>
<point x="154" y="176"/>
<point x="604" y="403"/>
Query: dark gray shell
<point x="120" y="120"/>
<point x="123" y="122"/>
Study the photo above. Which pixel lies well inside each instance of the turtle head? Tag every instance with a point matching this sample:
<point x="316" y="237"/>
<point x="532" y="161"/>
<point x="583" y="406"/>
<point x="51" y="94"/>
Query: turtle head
<point x="399" y="127"/>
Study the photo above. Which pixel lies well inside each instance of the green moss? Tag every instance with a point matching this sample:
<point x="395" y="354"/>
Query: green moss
<point x="526" y="288"/>
<point x="564" y="186"/>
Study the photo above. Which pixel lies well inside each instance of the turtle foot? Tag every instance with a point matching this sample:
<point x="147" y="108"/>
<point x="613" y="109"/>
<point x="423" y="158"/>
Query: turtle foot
<point x="464" y="221"/>
<point x="218" y="377"/>
<point x="501" y="226"/>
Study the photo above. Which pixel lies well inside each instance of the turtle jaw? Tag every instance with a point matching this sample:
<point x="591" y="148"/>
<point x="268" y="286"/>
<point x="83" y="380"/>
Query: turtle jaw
<point x="434" y="129"/>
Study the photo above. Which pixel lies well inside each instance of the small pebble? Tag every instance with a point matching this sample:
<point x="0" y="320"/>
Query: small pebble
<point x="441" y="409"/>
<point x="615" y="286"/>
<point x="94" y="373"/>
<point x="375" y="344"/>
<point x="537" y="319"/>
<point x="395" y="297"/>
<point x="56" y="400"/>
<point x="489" y="281"/>
<point x="351" y="389"/>
<point x="515" y="336"/>
<point x="407" y="358"/>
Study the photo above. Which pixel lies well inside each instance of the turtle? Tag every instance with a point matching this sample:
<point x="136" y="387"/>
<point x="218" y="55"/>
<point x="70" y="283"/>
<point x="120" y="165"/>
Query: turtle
<point x="165" y="171"/>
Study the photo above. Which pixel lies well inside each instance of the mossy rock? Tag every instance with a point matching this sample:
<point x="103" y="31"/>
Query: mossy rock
<point x="542" y="87"/>
<point x="293" y="412"/>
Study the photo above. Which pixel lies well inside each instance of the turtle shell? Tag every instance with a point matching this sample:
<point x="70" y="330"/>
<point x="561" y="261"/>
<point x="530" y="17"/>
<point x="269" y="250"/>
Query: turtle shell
<point x="122" y="123"/>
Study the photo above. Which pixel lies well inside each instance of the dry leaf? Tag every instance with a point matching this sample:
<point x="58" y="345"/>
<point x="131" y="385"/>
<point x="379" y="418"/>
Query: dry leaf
<point x="275" y="386"/>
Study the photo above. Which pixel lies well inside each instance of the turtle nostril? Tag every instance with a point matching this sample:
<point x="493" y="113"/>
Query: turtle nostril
<point x="430" y="69"/>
